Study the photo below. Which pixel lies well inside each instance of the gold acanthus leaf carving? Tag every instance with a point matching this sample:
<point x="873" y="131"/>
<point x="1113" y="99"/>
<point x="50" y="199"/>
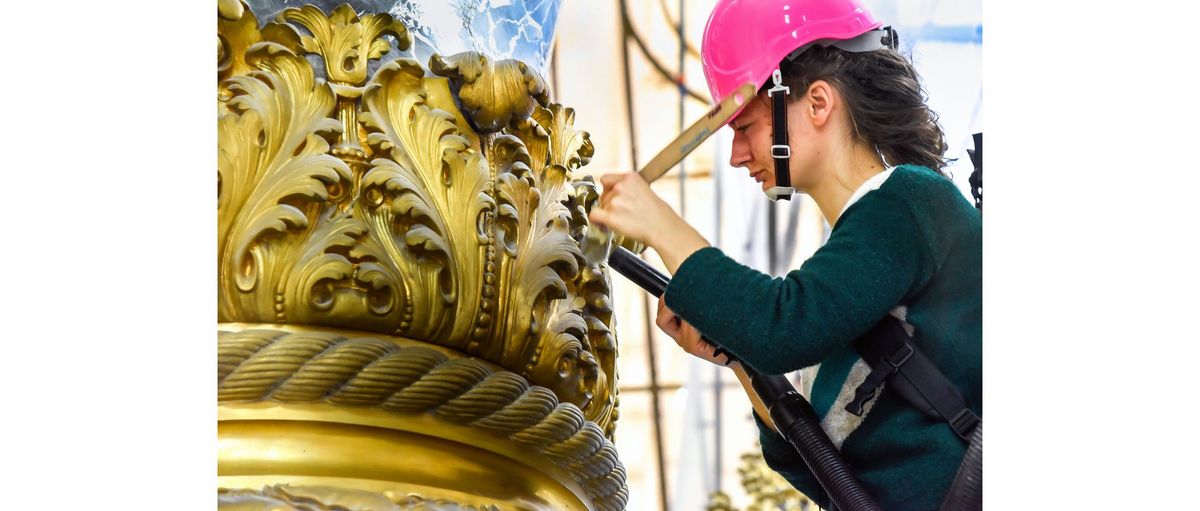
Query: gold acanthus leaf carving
<point x="569" y="148"/>
<point x="346" y="41"/>
<point x="578" y="350"/>
<point x="237" y="31"/>
<point x="230" y="9"/>
<point x="344" y="279"/>
<point x="429" y="188"/>
<point x="595" y="289"/>
<point x="494" y="94"/>
<point x="539" y="258"/>
<point x="426" y="230"/>
<point x="274" y="173"/>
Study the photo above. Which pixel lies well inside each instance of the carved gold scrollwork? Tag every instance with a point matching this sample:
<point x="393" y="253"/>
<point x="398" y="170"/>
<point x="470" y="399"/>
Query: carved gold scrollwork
<point x="429" y="188"/>
<point x="237" y="30"/>
<point x="435" y="206"/>
<point x="274" y="174"/>
<point x="494" y="94"/>
<point x="345" y="41"/>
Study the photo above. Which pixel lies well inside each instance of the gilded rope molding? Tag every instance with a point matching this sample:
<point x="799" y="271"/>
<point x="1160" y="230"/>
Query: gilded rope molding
<point x="310" y="367"/>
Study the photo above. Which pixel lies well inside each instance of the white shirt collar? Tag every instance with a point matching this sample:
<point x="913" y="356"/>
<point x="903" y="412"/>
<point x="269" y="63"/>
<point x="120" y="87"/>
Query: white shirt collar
<point x="871" y="184"/>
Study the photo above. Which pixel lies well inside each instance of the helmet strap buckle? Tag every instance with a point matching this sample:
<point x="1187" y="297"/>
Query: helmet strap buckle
<point x="778" y="86"/>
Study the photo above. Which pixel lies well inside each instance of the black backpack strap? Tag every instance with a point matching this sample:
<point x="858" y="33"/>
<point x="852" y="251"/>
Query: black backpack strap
<point x="893" y="358"/>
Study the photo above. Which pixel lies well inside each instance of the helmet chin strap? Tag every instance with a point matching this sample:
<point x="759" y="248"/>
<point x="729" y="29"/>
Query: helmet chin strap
<point x="781" y="152"/>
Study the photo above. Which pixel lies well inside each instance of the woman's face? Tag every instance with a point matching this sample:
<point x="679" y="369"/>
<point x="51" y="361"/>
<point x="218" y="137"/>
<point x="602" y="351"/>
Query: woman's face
<point x="752" y="138"/>
<point x="752" y="143"/>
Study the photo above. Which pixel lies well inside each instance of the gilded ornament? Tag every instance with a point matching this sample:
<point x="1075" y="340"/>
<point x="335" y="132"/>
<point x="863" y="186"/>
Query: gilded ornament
<point x="767" y="490"/>
<point x="389" y="260"/>
<point x="494" y="94"/>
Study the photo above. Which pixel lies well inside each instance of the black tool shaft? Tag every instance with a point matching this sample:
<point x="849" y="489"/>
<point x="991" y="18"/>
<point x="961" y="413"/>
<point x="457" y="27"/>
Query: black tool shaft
<point x="638" y="271"/>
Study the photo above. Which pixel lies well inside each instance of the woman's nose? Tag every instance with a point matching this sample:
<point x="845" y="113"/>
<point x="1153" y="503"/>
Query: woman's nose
<point x="739" y="153"/>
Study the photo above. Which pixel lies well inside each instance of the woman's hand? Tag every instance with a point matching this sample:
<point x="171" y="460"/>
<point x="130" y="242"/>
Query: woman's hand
<point x="628" y="206"/>
<point x="686" y="336"/>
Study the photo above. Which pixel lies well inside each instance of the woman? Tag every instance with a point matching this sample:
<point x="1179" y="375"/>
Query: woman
<point x="904" y="240"/>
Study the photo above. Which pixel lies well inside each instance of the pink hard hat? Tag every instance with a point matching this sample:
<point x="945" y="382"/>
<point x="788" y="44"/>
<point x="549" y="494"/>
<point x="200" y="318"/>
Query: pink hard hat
<point x="745" y="40"/>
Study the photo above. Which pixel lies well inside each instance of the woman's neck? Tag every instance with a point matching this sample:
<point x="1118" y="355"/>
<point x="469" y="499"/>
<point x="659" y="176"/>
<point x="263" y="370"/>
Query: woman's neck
<point x="844" y="175"/>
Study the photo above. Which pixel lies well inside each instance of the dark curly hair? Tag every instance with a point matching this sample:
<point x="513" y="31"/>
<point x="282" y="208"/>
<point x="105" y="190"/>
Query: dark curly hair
<point x="884" y="97"/>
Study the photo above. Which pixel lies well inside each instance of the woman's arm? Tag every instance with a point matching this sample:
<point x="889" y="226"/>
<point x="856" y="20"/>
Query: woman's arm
<point x="875" y="257"/>
<point x="873" y="260"/>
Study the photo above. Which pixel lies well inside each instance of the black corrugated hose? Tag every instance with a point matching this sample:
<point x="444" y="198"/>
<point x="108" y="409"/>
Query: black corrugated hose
<point x="966" y="492"/>
<point x="798" y="423"/>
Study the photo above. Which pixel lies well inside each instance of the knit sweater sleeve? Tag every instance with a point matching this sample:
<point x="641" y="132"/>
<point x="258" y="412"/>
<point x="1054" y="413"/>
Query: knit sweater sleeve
<point x="874" y="258"/>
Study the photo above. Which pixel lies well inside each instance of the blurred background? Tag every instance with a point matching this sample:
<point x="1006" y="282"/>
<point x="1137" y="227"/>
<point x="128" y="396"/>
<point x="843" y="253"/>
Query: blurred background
<point x="685" y="424"/>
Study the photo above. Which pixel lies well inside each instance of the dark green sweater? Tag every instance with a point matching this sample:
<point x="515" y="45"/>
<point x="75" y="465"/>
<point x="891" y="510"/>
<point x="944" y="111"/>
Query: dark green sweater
<point x="916" y="242"/>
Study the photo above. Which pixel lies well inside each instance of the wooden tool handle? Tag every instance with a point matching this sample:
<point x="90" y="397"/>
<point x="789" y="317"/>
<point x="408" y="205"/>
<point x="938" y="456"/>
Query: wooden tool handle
<point x="698" y="132"/>
<point x="755" y="401"/>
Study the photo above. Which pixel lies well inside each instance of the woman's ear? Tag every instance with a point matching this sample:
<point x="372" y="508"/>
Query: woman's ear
<point x="819" y="104"/>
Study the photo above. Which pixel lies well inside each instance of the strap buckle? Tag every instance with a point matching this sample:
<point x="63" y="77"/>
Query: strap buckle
<point x="778" y="86"/>
<point x="879" y="373"/>
<point x="777" y="193"/>
<point x="905" y="352"/>
<point x="780" y="152"/>
<point x="963" y="423"/>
